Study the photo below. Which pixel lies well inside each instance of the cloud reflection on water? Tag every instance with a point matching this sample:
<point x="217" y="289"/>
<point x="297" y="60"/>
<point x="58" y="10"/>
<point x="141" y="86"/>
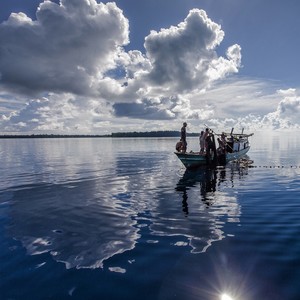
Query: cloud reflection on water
<point x="74" y="226"/>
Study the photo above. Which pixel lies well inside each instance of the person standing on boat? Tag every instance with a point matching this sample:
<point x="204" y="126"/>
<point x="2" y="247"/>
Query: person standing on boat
<point x="223" y="138"/>
<point x="222" y="142"/>
<point x="204" y="137"/>
<point x="209" y="145"/>
<point x="183" y="137"/>
<point x="221" y="148"/>
<point x="202" y="142"/>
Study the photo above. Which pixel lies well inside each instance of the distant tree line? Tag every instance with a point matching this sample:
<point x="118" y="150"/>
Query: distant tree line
<point x="113" y="135"/>
<point x="47" y="136"/>
<point x="150" y="134"/>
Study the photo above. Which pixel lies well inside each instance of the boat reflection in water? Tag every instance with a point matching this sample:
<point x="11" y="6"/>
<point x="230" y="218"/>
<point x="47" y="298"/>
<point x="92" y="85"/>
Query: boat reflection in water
<point x="205" y="177"/>
<point x="208" y="197"/>
<point x="210" y="182"/>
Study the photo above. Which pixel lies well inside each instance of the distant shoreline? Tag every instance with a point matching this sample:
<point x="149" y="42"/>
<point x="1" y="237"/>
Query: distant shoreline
<point x="113" y="135"/>
<point x="49" y="136"/>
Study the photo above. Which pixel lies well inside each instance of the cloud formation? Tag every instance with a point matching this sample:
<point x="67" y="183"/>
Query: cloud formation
<point x="77" y="47"/>
<point x="287" y="113"/>
<point x="178" y="60"/>
<point x="70" y="72"/>
<point x="183" y="57"/>
<point x="59" y="113"/>
<point x="66" y="49"/>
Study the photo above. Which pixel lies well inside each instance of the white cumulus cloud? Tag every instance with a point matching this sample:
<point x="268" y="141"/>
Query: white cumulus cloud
<point x="182" y="56"/>
<point x="177" y="61"/>
<point x="66" y="49"/>
<point x="287" y="114"/>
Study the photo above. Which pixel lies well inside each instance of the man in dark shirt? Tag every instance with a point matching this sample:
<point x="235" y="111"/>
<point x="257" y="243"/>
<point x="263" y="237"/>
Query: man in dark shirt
<point x="183" y="137"/>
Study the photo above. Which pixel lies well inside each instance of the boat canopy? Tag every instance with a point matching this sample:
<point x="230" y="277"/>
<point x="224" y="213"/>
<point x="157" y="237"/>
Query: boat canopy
<point x="234" y="134"/>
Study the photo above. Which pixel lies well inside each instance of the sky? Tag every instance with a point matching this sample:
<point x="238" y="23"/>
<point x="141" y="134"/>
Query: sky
<point x="91" y="67"/>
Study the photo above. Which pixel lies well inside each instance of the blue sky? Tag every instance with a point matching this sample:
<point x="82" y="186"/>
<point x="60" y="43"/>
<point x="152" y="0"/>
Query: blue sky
<point x="81" y="66"/>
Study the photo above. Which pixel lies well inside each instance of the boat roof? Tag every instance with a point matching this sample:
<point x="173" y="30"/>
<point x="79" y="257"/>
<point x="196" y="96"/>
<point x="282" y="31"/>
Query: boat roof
<point x="242" y="134"/>
<point x="236" y="134"/>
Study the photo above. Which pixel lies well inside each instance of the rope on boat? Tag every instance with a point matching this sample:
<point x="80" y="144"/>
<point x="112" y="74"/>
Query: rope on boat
<point x="248" y="163"/>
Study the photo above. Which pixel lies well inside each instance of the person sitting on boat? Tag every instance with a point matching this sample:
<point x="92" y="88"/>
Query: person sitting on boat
<point x="202" y="142"/>
<point x="183" y="137"/>
<point x="179" y="146"/>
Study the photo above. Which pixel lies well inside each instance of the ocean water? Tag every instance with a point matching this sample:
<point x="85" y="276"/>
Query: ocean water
<point x="123" y="219"/>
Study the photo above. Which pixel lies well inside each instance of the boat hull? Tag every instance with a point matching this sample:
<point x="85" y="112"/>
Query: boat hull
<point x="192" y="160"/>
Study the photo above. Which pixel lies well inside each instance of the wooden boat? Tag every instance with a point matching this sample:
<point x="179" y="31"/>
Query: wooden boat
<point x="234" y="147"/>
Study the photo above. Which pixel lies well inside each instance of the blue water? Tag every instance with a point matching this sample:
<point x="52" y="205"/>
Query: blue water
<point x="122" y="219"/>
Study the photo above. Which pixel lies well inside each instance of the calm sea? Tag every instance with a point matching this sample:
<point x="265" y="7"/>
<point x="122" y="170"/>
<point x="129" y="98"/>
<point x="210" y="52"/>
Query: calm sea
<point x="123" y="219"/>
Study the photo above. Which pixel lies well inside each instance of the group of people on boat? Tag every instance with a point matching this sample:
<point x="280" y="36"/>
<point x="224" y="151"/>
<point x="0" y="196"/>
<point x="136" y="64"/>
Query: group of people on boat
<point x="206" y="143"/>
<point x="205" y="140"/>
<point x="215" y="149"/>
